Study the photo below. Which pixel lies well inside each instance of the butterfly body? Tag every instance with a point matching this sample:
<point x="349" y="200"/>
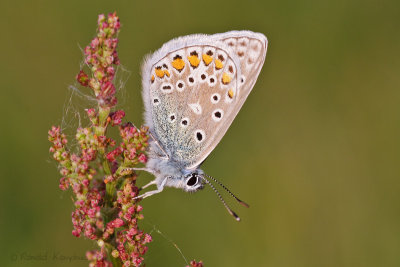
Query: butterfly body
<point x="193" y="88"/>
<point x="174" y="174"/>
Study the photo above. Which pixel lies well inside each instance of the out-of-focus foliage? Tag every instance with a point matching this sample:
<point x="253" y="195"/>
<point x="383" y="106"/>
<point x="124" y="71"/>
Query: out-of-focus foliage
<point x="314" y="150"/>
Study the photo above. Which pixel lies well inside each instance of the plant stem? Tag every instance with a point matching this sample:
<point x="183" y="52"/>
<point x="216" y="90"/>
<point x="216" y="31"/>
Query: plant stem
<point x="116" y="262"/>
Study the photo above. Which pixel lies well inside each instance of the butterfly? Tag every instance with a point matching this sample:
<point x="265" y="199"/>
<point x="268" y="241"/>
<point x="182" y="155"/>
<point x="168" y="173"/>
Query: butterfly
<point x="193" y="88"/>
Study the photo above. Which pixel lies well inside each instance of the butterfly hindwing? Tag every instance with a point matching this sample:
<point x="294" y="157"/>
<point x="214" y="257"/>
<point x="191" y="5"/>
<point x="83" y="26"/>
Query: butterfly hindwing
<point x="209" y="102"/>
<point x="251" y="49"/>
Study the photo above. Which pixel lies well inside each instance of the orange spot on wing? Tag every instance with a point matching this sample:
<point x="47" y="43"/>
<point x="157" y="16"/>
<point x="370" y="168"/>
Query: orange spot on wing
<point x="207" y="59"/>
<point x="194" y="61"/>
<point x="159" y="72"/>
<point x="218" y="64"/>
<point x="166" y="72"/>
<point x="178" y="63"/>
<point x="230" y="93"/>
<point x="152" y="78"/>
<point x="226" y="78"/>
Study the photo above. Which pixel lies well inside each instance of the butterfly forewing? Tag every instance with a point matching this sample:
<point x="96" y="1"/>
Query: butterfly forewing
<point x="193" y="92"/>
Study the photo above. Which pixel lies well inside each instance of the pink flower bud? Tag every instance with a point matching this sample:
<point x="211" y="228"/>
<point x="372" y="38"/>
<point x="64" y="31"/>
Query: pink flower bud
<point x="131" y="153"/>
<point x="101" y="19"/>
<point x="64" y="154"/>
<point x="115" y="253"/>
<point x="79" y="203"/>
<point x="127" y="216"/>
<point x="94" y="43"/>
<point x="109" y="60"/>
<point x="64" y="171"/>
<point x="99" y="74"/>
<point x="91" y="112"/>
<point x="133" y="231"/>
<point x="131" y="210"/>
<point x="83" y="78"/>
<point x="87" y="51"/>
<point x="116" y="117"/>
<point x="138" y="261"/>
<point x="77" y="188"/>
<point x="147" y="238"/>
<point x="91" y="213"/>
<point x="143" y="250"/>
<point x="101" y="139"/>
<point x="64" y="183"/>
<point x="110" y="72"/>
<point x="85" y="182"/>
<point x="118" y="222"/>
<point x="142" y="158"/>
<point x="112" y="155"/>
<point x="76" y="233"/>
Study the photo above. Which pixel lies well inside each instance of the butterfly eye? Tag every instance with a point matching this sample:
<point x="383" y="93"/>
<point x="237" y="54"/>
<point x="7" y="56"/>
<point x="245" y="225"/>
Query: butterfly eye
<point x="192" y="180"/>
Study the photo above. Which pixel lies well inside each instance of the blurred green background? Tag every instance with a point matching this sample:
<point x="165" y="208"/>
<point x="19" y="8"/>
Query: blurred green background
<point x="315" y="150"/>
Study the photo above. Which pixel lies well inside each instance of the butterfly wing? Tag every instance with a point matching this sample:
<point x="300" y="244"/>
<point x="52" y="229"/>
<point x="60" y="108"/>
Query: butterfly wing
<point x="194" y="86"/>
<point x="251" y="49"/>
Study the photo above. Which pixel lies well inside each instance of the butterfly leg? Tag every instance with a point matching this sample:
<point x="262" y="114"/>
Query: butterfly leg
<point x="147" y="185"/>
<point x="158" y="190"/>
<point x="139" y="169"/>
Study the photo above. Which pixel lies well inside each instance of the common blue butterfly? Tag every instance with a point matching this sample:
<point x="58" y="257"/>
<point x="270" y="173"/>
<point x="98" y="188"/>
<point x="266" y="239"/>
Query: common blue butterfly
<point x="193" y="88"/>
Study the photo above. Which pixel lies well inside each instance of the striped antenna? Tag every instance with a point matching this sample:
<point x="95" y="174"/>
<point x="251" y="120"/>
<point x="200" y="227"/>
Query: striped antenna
<point x="224" y="187"/>
<point x="231" y="212"/>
